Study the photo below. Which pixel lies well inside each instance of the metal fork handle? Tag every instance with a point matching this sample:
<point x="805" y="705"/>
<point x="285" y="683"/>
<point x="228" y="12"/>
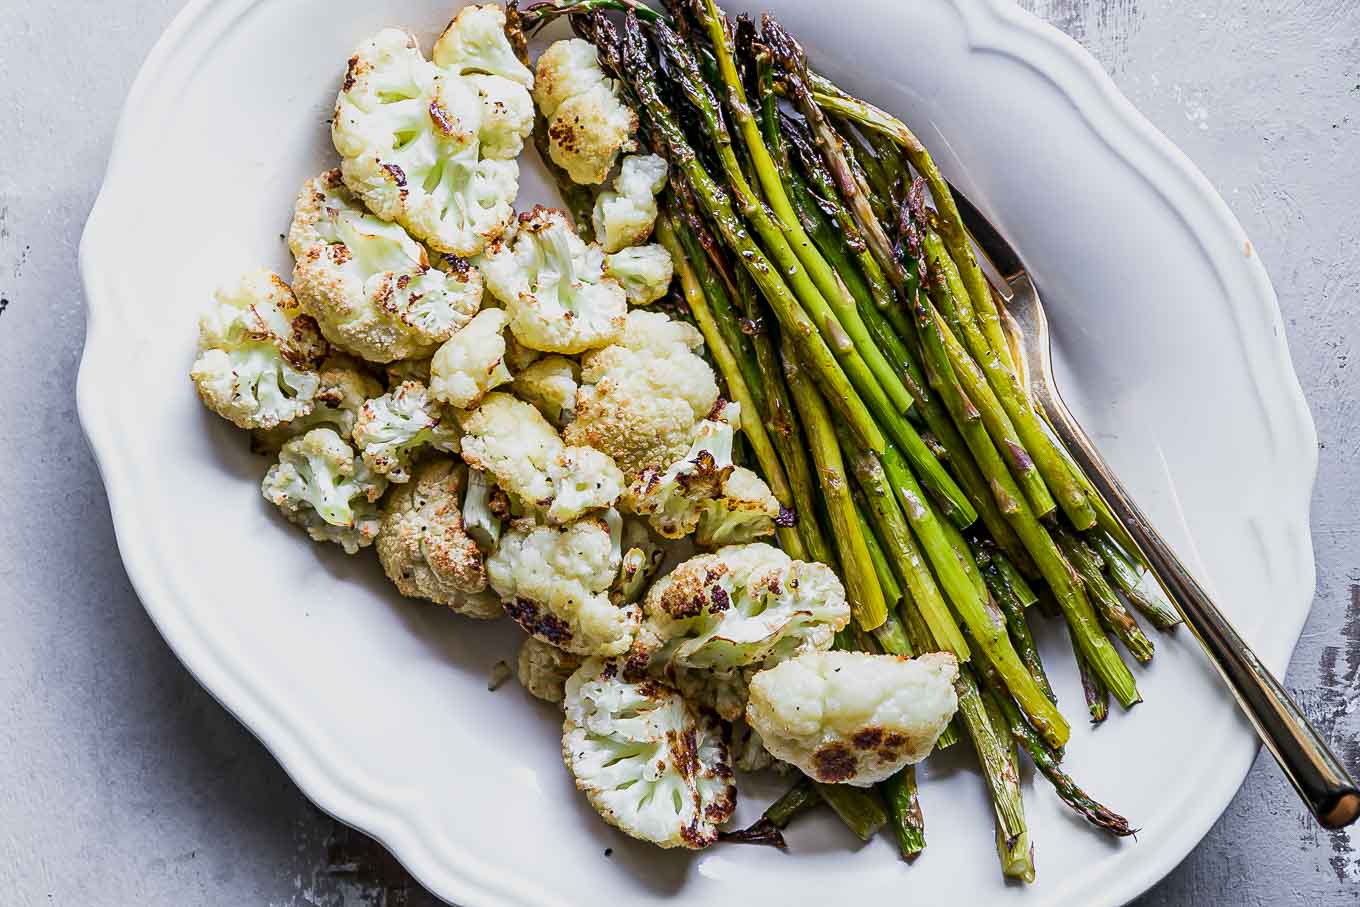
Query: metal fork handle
<point x="1316" y="773"/>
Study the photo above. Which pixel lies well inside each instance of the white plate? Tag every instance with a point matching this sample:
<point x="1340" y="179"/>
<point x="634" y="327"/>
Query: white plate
<point x="378" y="707"/>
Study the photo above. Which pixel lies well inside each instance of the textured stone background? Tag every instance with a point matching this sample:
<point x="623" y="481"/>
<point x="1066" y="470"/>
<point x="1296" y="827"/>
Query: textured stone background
<point x="122" y="782"/>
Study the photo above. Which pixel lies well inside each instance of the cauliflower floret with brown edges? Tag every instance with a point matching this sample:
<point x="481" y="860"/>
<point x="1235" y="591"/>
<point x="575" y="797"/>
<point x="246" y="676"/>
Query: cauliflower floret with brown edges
<point x="588" y="126"/>
<point x="550" y="385"/>
<point x="641" y="398"/>
<point x="625" y="215"/>
<point x="471" y="362"/>
<point x="543" y="669"/>
<point x="368" y="284"/>
<point x="555" y="583"/>
<point x="320" y="484"/>
<point x="705" y="493"/>
<point x="742" y="605"/>
<point x="258" y="354"/>
<point x="553" y="286"/>
<point x="393" y="427"/>
<point x="651" y="765"/>
<point x="424" y="546"/>
<point x="851" y="717"/>
<point x="475" y="42"/>
<point x="512" y="442"/>
<point x="345" y="386"/>
<point x="409" y="136"/>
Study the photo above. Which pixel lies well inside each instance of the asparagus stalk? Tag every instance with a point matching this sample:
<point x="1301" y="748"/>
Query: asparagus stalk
<point x="834" y="312"/>
<point x="912" y="568"/>
<point x="858" y="808"/>
<point x="890" y="473"/>
<point x="1016" y="854"/>
<point x="937" y="419"/>
<point x="752" y="428"/>
<point x="1113" y="614"/>
<point x="919" y="637"/>
<point x="829" y="97"/>
<point x="630" y="64"/>
<point x="798" y="799"/>
<point x="1048" y="460"/>
<point x="771" y="184"/>
<point x="857" y="568"/>
<point x="1087" y="633"/>
<point x="1014" y="611"/>
<point x="1129" y="580"/>
<point x="904" y="807"/>
<point x="1093" y="688"/>
<point x="1047" y="761"/>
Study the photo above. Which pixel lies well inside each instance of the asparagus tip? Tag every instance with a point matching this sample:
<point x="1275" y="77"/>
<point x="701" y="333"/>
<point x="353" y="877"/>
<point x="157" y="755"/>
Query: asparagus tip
<point x="762" y="831"/>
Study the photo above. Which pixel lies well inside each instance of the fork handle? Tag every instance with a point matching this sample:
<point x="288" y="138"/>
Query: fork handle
<point x="1318" y="776"/>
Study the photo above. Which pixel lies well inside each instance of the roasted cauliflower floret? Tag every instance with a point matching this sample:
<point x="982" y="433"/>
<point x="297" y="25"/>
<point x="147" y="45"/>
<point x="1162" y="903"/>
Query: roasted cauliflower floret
<point x="705" y="493"/>
<point x="651" y="765"/>
<point x="555" y="584"/>
<point x="543" y="669"/>
<point x="393" y="427"/>
<point x="641" y="398"/>
<point x="507" y="117"/>
<point x="565" y="69"/>
<point x="471" y="362"/>
<point x="258" y="354"/>
<point x="424" y="546"/>
<point x="368" y="284"/>
<point x="553" y="286"/>
<point x="587" y="123"/>
<point x="645" y="272"/>
<point x="852" y="717"/>
<point x="550" y="384"/>
<point x="409" y="135"/>
<point x="511" y="441"/>
<point x="475" y="42"/>
<point x="321" y="485"/>
<point x="583" y="479"/>
<point x="742" y="605"/>
<point x="345" y="386"/>
<point x="624" y="216"/>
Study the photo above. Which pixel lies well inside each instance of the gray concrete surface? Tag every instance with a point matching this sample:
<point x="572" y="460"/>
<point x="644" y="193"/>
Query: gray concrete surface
<point x="123" y="783"/>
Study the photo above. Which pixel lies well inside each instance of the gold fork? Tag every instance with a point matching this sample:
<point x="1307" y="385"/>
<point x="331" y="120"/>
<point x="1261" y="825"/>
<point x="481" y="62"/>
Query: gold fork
<point x="1319" y="777"/>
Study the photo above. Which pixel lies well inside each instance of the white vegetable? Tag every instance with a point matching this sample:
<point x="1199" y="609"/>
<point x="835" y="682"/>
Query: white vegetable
<point x="258" y="354"/>
<point x="650" y="765"/>
<point x="587" y="123"/>
<point x="369" y="285"/>
<point x="550" y="385"/>
<point x="345" y="386"/>
<point x="424" y="545"/>
<point x="851" y="717"/>
<point x="409" y="133"/>
<point x="555" y="583"/>
<point x="705" y="493"/>
<point x="641" y="398"/>
<point x="321" y="485"/>
<point x="393" y="427"/>
<point x="553" y="286"/>
<point x="624" y="216"/>
<point x="644" y="271"/>
<point x="475" y="42"/>
<point x="742" y="605"/>
<point x="543" y="669"/>
<point x="471" y="362"/>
